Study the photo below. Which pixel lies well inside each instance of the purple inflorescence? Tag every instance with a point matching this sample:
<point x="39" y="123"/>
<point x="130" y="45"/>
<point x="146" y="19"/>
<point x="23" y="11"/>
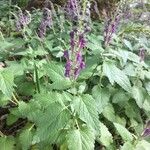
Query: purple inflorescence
<point x="110" y="29"/>
<point x="142" y="54"/>
<point x="80" y="64"/>
<point x="45" y="22"/>
<point x="72" y="9"/>
<point x="22" y="20"/>
<point x="146" y="131"/>
<point x="68" y="68"/>
<point x="74" y="59"/>
<point x="82" y="41"/>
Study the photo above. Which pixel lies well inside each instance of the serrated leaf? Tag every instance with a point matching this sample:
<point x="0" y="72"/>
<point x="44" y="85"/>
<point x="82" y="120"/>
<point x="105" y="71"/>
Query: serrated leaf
<point x="120" y="97"/>
<point x="15" y="68"/>
<point x="25" y="139"/>
<point x="54" y="71"/>
<point x="51" y="122"/>
<point x="85" y="107"/>
<point x="106" y="138"/>
<point x="109" y="113"/>
<point x="7" y="143"/>
<point x="138" y="95"/>
<point x="80" y="139"/>
<point x="101" y="96"/>
<point x="6" y="82"/>
<point x="114" y="74"/>
<point x="124" y="133"/>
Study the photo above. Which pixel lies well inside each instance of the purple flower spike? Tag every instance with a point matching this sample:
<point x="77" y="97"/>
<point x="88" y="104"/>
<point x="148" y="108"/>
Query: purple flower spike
<point x="146" y="132"/>
<point x="72" y="34"/>
<point x="72" y="9"/>
<point x="142" y="54"/>
<point x="76" y="72"/>
<point x="72" y="40"/>
<point x="79" y="57"/>
<point x="68" y="68"/>
<point x="22" y="20"/>
<point x="82" y="41"/>
<point x="45" y="22"/>
<point x="110" y="28"/>
<point x="66" y="54"/>
<point x="82" y="65"/>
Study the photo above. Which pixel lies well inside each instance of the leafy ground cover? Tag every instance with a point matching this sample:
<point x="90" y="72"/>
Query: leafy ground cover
<point x="69" y="82"/>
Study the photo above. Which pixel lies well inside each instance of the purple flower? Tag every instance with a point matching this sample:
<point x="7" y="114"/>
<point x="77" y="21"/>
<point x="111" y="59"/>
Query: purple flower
<point x="68" y="68"/>
<point x="79" y="57"/>
<point x="72" y="40"/>
<point x="80" y="64"/>
<point x="142" y="54"/>
<point x="110" y="29"/>
<point x="45" y="22"/>
<point x="66" y="54"/>
<point x="146" y="131"/>
<point x="72" y="9"/>
<point x="82" y="41"/>
<point x="22" y="20"/>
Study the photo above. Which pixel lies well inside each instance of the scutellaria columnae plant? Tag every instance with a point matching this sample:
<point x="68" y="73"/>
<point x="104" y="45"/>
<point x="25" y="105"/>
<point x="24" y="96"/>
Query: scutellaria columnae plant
<point x="103" y="104"/>
<point x="75" y="62"/>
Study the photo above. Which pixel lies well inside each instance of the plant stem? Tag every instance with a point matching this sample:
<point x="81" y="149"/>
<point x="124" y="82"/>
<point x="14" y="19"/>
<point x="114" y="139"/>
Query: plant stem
<point x="37" y="78"/>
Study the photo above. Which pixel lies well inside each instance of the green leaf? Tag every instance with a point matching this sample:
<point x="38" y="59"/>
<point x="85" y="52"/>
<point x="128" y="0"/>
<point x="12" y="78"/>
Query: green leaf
<point x="101" y="96"/>
<point x="127" y="146"/>
<point x="6" y="82"/>
<point x="51" y="122"/>
<point x="142" y="145"/>
<point x="54" y="71"/>
<point x="120" y="97"/>
<point x="109" y="113"/>
<point x="146" y="104"/>
<point x="124" y="133"/>
<point x="81" y="139"/>
<point x="138" y="95"/>
<point x="128" y="44"/>
<point x="5" y="45"/>
<point x="147" y="86"/>
<point x="11" y="119"/>
<point x="85" y="107"/>
<point x="26" y="139"/>
<point x="106" y="138"/>
<point x="114" y="74"/>
<point x="61" y="84"/>
<point x="7" y="143"/>
<point x="3" y="99"/>
<point x="16" y="68"/>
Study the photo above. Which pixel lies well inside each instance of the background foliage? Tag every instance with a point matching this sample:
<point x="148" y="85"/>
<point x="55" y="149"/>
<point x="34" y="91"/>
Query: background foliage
<point x="106" y="107"/>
